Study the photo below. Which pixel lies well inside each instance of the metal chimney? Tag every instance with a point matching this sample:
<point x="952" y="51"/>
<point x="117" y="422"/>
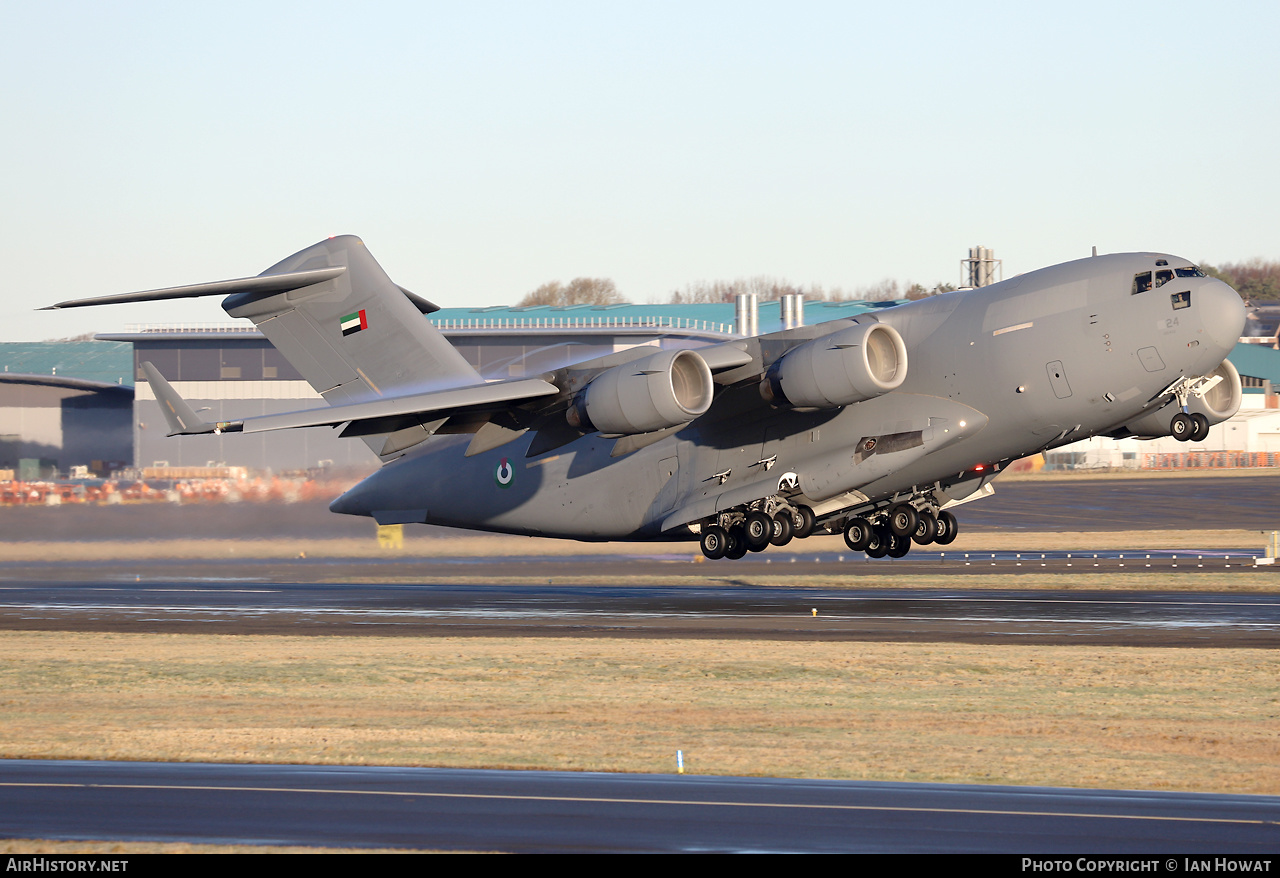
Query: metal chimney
<point x="746" y="315"/>
<point x="981" y="268"/>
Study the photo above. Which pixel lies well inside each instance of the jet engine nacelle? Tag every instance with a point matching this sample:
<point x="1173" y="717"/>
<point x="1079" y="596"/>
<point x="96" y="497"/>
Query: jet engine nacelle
<point x="1218" y="404"/>
<point x="848" y="366"/>
<point x="652" y="393"/>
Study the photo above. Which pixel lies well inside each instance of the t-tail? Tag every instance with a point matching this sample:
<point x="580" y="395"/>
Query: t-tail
<point x="355" y="336"/>
<point x="335" y="315"/>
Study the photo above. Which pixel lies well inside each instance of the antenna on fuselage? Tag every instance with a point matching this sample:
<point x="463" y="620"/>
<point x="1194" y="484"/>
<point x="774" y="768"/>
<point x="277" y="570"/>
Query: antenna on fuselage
<point x="1095" y="249"/>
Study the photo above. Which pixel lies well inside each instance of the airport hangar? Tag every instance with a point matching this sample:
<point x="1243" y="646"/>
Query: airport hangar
<point x="67" y="403"/>
<point x="233" y="372"/>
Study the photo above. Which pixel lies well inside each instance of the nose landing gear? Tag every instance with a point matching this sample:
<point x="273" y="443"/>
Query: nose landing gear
<point x="1188" y="426"/>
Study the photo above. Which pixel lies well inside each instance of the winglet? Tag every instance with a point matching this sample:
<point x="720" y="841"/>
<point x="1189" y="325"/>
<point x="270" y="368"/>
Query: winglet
<point x="181" y="419"/>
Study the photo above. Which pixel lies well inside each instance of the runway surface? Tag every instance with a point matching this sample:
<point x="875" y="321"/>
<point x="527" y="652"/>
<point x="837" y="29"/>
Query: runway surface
<point x="1076" y="504"/>
<point x="767" y="596"/>
<point x="718" y="611"/>
<point x="532" y="811"/>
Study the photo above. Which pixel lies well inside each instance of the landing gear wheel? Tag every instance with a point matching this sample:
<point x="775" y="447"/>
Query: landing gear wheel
<point x="879" y="545"/>
<point x="737" y="544"/>
<point x="948" y="528"/>
<point x="1181" y="427"/>
<point x="802" y="519"/>
<point x="898" y="546"/>
<point x="926" y="529"/>
<point x="1200" y="432"/>
<point x="903" y="519"/>
<point x="782" y="529"/>
<point x="858" y="534"/>
<point x="758" y="530"/>
<point x="715" y="542"/>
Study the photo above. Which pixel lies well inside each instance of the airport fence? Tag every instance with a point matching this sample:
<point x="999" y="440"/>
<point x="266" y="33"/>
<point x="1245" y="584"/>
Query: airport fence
<point x="1209" y="459"/>
<point x="111" y="492"/>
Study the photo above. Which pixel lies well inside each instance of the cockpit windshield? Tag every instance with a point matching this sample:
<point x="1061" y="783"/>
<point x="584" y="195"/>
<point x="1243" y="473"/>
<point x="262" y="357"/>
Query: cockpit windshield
<point x="1146" y="280"/>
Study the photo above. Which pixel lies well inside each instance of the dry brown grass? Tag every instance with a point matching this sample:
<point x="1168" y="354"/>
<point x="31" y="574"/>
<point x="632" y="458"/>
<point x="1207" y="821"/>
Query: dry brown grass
<point x="1068" y="716"/>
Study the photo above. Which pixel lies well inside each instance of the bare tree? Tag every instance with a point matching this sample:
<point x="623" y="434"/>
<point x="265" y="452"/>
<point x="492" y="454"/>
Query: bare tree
<point x="1256" y="280"/>
<point x="579" y="291"/>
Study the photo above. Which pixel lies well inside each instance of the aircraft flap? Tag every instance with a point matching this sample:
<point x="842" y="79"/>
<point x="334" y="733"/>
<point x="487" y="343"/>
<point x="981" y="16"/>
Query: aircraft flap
<point x="436" y="403"/>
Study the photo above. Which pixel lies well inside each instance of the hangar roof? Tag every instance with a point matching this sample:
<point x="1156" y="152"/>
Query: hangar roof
<point x="108" y="362"/>
<point x="1256" y="361"/>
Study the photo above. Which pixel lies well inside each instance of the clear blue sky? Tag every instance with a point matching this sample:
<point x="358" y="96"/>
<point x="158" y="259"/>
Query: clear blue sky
<point x="483" y="148"/>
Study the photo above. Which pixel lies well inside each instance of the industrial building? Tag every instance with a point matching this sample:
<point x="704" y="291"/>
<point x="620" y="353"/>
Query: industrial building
<point x="64" y="405"/>
<point x="87" y="403"/>
<point x="230" y="371"/>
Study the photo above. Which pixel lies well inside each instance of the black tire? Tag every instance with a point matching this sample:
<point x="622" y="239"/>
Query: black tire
<point x="715" y="542"/>
<point x="926" y="529"/>
<point x="952" y="528"/>
<point x="781" y="529"/>
<point x="1181" y="427"/>
<point x="1200" y="430"/>
<point x="898" y="546"/>
<point x="903" y="519"/>
<point x="802" y="520"/>
<point x="757" y="529"/>
<point x="737" y="544"/>
<point x="858" y="534"/>
<point x="879" y="545"/>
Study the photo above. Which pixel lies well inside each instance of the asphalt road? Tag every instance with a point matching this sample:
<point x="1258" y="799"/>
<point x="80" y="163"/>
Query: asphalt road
<point x="533" y="811"/>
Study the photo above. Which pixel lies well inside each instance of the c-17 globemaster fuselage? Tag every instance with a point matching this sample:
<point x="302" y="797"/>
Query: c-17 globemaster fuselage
<point x="873" y="426"/>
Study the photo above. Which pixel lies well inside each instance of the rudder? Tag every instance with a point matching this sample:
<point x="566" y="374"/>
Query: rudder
<point x="356" y="336"/>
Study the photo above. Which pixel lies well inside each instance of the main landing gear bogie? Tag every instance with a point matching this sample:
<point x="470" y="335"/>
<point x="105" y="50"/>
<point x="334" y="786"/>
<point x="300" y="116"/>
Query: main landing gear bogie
<point x="886" y="532"/>
<point x="770" y="523"/>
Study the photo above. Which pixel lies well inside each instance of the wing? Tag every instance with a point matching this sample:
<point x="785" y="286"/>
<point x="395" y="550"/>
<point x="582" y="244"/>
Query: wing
<point x="362" y="418"/>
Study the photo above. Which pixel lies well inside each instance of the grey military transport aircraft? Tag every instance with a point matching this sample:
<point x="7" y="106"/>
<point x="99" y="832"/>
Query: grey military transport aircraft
<point x="750" y="442"/>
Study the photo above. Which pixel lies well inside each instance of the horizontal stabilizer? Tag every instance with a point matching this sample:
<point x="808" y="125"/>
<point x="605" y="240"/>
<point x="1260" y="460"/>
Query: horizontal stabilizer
<point x="261" y="285"/>
<point x="181" y="419"/>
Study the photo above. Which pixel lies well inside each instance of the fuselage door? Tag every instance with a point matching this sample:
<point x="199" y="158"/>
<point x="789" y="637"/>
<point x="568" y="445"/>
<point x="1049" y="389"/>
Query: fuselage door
<point x="1058" y="379"/>
<point x="669" y="479"/>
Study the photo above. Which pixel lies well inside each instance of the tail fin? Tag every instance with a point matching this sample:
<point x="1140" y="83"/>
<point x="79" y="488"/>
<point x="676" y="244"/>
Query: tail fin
<point x="356" y="336"/>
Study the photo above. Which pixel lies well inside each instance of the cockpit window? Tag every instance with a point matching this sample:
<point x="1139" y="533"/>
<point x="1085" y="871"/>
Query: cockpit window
<point x="1193" y="271"/>
<point x="1163" y="276"/>
<point x="1141" y="283"/>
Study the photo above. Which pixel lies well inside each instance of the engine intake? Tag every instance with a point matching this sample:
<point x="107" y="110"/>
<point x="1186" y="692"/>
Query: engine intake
<point x="848" y="366"/>
<point x="1218" y="404"/>
<point x="1223" y="399"/>
<point x="652" y="393"/>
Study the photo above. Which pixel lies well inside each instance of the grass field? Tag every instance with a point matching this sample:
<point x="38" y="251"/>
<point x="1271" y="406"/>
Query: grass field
<point x="1202" y="719"/>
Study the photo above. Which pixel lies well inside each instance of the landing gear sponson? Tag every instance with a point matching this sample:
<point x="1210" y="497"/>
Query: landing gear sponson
<point x="886" y="530"/>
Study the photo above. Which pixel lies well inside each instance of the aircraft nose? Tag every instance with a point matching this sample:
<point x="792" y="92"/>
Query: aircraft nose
<point x="1222" y="314"/>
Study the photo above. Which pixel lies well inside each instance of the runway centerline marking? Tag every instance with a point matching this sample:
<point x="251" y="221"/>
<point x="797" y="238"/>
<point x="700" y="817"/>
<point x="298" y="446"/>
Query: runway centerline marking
<point x="602" y="800"/>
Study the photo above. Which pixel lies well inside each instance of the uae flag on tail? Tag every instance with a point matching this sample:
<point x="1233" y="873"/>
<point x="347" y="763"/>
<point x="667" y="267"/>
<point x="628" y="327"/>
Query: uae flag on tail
<point x="354" y="322"/>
